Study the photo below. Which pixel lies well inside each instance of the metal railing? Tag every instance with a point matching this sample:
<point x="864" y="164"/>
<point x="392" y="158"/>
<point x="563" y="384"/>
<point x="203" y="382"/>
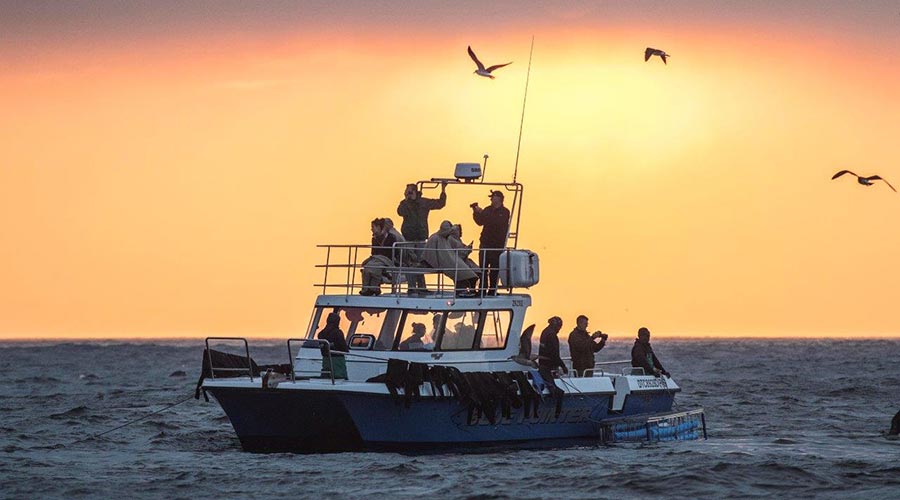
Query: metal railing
<point x="574" y="373"/>
<point x="405" y="262"/>
<point x="213" y="369"/>
<point x="319" y="344"/>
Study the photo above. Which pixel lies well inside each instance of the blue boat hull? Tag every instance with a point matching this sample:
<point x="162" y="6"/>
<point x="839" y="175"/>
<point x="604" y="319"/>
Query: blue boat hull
<point x="326" y="421"/>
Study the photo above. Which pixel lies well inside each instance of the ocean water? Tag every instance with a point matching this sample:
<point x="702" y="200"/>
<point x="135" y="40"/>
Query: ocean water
<point x="786" y="418"/>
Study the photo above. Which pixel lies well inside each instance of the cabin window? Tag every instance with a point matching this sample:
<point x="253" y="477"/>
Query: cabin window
<point x="408" y="340"/>
<point x="380" y="323"/>
<point x="414" y="337"/>
<point x="321" y="319"/>
<point x="460" y="328"/>
<point x="496" y="329"/>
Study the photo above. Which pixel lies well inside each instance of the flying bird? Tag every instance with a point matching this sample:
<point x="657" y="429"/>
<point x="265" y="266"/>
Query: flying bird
<point x="865" y="181"/>
<point x="650" y="51"/>
<point x="482" y="71"/>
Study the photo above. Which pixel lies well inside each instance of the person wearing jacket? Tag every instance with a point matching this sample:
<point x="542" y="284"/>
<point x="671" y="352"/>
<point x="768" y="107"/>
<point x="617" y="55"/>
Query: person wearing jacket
<point x="642" y="355"/>
<point x="414" y="209"/>
<point x="336" y="342"/>
<point x="548" y="352"/>
<point x="583" y="345"/>
<point x="494" y="221"/>
<point x="373" y="268"/>
<point x="445" y="251"/>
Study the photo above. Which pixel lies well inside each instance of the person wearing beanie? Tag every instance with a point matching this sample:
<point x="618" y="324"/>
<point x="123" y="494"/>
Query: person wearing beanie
<point x="642" y="355"/>
<point x="548" y="353"/>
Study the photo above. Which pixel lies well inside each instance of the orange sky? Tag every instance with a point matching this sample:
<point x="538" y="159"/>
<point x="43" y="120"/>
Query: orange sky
<point x="170" y="175"/>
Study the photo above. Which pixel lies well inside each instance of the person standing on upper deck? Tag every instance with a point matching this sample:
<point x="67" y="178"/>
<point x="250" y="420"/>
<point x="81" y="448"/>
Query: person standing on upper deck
<point x="583" y="345"/>
<point x="414" y="209"/>
<point x="494" y="220"/>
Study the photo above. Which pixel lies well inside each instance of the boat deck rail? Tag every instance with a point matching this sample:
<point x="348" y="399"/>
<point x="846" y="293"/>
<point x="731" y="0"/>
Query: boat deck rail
<point x="591" y="372"/>
<point x="344" y="264"/>
<point x="324" y="347"/>
<point x="320" y="345"/>
<point x="248" y="369"/>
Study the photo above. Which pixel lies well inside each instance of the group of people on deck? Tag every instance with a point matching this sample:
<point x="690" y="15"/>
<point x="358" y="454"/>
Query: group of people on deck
<point x="442" y="250"/>
<point x="582" y="347"/>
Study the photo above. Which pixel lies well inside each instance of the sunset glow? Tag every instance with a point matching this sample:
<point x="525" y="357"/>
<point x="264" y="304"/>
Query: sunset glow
<point x="174" y="181"/>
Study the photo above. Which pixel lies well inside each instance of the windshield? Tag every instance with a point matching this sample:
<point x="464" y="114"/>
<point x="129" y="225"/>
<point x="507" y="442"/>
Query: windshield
<point x="416" y="330"/>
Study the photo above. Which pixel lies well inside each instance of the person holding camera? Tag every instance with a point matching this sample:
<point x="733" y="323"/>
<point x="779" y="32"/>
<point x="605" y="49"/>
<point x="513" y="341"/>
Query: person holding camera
<point x="583" y="345"/>
<point x="494" y="220"/>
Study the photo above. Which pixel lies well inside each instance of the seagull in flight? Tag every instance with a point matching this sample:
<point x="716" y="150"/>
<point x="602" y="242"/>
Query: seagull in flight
<point x="865" y="181"/>
<point x="650" y="51"/>
<point x="482" y="71"/>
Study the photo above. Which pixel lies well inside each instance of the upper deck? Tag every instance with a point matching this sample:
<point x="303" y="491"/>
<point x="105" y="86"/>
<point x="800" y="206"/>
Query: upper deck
<point x="343" y="263"/>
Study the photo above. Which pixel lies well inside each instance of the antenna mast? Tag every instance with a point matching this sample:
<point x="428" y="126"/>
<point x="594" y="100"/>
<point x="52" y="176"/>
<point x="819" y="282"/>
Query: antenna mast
<point x="522" y="121"/>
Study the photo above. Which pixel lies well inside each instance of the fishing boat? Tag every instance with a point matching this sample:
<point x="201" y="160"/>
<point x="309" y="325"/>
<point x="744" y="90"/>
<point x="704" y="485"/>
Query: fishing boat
<point x="470" y="382"/>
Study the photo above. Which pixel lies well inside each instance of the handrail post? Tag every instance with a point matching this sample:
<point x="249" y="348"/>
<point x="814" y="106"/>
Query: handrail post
<point x="351" y="269"/>
<point x="327" y="266"/>
<point x="330" y="361"/>
<point x="291" y="360"/>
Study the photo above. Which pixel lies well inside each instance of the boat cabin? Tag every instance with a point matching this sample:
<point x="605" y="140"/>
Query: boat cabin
<point x="475" y="334"/>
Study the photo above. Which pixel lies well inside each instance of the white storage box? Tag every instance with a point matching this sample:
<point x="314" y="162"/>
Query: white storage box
<point x="519" y="268"/>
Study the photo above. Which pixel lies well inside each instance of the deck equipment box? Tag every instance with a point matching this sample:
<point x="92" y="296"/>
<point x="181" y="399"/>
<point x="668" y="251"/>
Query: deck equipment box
<point x="519" y="268"/>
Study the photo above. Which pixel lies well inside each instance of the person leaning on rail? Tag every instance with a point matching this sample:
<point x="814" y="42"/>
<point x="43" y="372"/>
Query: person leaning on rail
<point x="642" y="355"/>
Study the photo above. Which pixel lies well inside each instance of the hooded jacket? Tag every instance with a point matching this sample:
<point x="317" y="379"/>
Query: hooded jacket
<point x="444" y="251"/>
<point x="333" y="334"/>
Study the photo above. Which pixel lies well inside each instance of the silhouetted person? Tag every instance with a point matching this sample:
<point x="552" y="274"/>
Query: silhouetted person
<point x="415" y="341"/>
<point x="414" y="209"/>
<point x="642" y="355"/>
<point x="435" y="329"/>
<point x="444" y="251"/>
<point x="583" y="345"/>
<point x="336" y="341"/>
<point x="373" y="268"/>
<point x="389" y="224"/>
<point x="548" y="352"/>
<point x="494" y="220"/>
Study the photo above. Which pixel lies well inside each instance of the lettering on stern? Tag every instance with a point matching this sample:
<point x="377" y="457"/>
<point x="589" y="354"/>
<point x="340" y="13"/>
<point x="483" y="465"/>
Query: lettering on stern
<point x="655" y="383"/>
<point x="544" y="416"/>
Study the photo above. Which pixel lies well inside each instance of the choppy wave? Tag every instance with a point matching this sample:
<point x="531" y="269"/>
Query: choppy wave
<point x="786" y="418"/>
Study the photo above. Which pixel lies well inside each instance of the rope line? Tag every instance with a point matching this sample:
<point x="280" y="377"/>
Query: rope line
<point x="131" y="422"/>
